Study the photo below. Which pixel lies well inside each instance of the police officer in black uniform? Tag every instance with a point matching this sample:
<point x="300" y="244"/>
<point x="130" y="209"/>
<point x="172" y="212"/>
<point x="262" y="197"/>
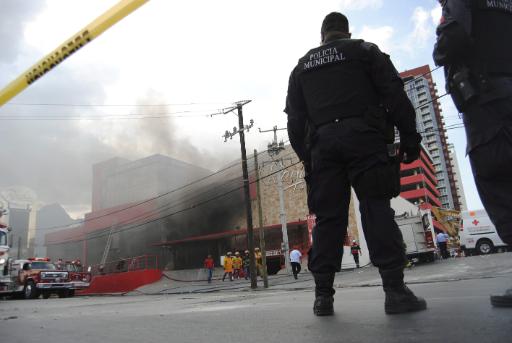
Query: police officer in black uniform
<point x="473" y="45"/>
<point x="344" y="92"/>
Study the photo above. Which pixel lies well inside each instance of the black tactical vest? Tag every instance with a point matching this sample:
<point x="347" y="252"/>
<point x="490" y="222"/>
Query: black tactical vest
<point x="335" y="81"/>
<point x="492" y="31"/>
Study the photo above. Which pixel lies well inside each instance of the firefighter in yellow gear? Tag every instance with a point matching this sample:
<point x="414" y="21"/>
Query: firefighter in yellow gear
<point x="228" y="266"/>
<point x="259" y="261"/>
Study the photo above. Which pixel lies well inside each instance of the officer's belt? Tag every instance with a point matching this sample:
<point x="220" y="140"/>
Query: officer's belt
<point x="337" y="121"/>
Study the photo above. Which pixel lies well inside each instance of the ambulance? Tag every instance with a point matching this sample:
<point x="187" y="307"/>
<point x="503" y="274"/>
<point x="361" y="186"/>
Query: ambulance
<point x="478" y="234"/>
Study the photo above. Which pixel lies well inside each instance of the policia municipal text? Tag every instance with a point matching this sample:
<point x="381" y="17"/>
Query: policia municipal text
<point x="344" y="100"/>
<point x="474" y="47"/>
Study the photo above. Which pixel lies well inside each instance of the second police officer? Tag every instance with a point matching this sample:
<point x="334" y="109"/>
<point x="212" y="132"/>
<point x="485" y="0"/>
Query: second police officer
<point x="340" y="96"/>
<point x="473" y="45"/>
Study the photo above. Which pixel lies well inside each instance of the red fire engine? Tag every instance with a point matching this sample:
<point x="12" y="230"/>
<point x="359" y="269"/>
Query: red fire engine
<point x="34" y="277"/>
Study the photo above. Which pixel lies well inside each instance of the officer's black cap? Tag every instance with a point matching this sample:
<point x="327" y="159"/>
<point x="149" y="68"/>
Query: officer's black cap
<point x="335" y="21"/>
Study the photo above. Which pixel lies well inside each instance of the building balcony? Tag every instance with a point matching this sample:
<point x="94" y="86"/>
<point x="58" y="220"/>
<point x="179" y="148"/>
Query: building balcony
<point x="419" y="164"/>
<point x="421" y="193"/>
<point x="420" y="180"/>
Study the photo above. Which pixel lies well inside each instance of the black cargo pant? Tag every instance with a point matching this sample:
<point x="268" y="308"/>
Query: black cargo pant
<point x="492" y="169"/>
<point x="341" y="153"/>
<point x="295" y="268"/>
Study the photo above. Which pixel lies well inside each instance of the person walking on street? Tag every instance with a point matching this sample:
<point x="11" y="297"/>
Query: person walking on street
<point x="246" y="262"/>
<point x="228" y="267"/>
<point x="355" y="250"/>
<point x="237" y="265"/>
<point x="442" y="242"/>
<point x="295" y="259"/>
<point x="344" y="99"/>
<point x="209" y="264"/>
<point x="473" y="46"/>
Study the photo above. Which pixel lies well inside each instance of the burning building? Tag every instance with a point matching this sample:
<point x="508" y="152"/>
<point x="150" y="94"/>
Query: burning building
<point x="138" y="204"/>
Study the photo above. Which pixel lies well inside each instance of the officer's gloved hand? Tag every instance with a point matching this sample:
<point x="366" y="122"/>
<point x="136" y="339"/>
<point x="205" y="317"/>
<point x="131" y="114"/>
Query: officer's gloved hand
<point x="410" y="147"/>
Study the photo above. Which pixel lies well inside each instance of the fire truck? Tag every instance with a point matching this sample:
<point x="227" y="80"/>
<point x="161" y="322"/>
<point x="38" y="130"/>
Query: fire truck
<point x="79" y="278"/>
<point x="33" y="277"/>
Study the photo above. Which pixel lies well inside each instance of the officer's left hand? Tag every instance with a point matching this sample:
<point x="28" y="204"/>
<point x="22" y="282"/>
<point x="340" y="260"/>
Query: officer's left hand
<point x="410" y="153"/>
<point x="410" y="147"/>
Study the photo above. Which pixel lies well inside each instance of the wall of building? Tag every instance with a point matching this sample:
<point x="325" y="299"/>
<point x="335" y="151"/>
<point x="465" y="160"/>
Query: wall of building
<point x="458" y="179"/>
<point x="19" y="221"/>
<point x="119" y="181"/>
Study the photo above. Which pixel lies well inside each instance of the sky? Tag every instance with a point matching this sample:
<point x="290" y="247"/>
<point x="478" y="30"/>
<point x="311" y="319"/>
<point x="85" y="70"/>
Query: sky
<point x="179" y="61"/>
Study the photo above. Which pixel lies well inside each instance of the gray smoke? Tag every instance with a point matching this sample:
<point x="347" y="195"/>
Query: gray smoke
<point x="14" y="14"/>
<point x="162" y="136"/>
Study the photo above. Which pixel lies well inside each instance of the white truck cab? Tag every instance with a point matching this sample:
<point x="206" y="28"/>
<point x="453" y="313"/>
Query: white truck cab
<point x="478" y="234"/>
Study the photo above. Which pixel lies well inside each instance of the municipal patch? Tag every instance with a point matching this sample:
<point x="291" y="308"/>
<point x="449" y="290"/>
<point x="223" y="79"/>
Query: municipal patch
<point x="323" y="57"/>
<point x="499" y="5"/>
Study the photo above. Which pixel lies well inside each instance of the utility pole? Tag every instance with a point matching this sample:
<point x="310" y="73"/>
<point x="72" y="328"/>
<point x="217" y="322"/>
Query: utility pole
<point x="273" y="150"/>
<point x="241" y="132"/>
<point x="18" y="256"/>
<point x="260" y="220"/>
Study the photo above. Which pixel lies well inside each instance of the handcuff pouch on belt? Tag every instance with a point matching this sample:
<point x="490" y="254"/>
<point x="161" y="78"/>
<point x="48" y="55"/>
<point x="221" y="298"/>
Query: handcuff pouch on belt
<point x="462" y="87"/>
<point x="383" y="180"/>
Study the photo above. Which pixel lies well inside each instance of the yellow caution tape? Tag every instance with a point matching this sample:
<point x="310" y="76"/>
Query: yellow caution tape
<point x="69" y="47"/>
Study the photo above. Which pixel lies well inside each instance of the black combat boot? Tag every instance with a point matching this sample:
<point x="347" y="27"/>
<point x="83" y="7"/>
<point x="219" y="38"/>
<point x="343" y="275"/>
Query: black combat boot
<point x="399" y="298"/>
<point x="504" y="300"/>
<point x="324" y="294"/>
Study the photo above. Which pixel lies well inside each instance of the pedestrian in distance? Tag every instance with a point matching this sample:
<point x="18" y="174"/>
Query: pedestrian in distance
<point x="355" y="250"/>
<point x="344" y="100"/>
<point x="209" y="265"/>
<point x="295" y="260"/>
<point x="237" y="265"/>
<point x="78" y="265"/>
<point x="246" y="262"/>
<point x="228" y="266"/>
<point x="442" y="243"/>
<point x="473" y="46"/>
<point x="259" y="261"/>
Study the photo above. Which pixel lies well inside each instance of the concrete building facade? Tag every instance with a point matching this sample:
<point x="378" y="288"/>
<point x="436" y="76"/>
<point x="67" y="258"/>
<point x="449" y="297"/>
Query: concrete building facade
<point x="119" y="181"/>
<point x="458" y="179"/>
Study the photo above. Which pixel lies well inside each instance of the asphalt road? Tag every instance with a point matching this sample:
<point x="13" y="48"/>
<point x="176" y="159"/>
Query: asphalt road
<point x="458" y="311"/>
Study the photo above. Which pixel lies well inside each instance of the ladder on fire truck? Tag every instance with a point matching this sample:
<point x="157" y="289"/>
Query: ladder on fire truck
<point x="107" y="246"/>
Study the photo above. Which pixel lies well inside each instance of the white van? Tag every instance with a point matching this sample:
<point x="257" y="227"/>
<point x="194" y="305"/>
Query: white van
<point x="478" y="234"/>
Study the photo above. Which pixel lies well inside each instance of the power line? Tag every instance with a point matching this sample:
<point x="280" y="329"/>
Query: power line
<point x="125" y="116"/>
<point x="235" y="164"/>
<point x="47" y="117"/>
<point x="114" y="105"/>
<point x="166" y="207"/>
<point x="449" y="127"/>
<point x="169" y="206"/>
<point x="142" y="202"/>
<point x="103" y="233"/>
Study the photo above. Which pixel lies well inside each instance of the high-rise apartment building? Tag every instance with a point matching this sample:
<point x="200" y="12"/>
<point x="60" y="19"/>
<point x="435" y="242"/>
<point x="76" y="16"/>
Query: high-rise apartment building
<point x="458" y="179"/>
<point x="422" y="92"/>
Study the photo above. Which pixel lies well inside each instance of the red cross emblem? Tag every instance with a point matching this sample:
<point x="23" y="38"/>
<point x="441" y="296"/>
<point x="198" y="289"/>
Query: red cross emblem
<point x="475" y="222"/>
